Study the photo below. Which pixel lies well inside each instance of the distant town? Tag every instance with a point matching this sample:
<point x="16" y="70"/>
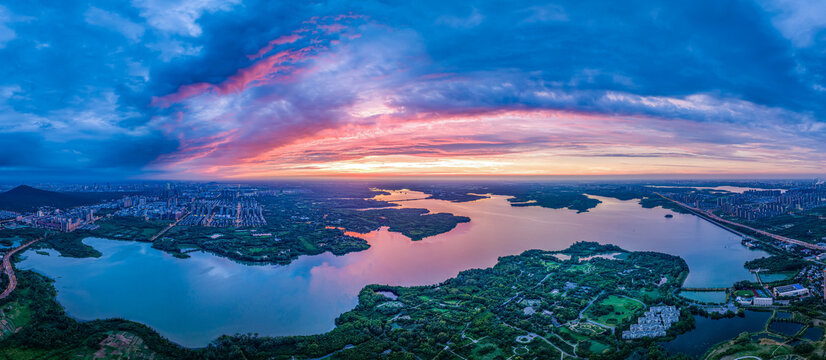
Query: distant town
<point x="218" y="206"/>
<point x="758" y="204"/>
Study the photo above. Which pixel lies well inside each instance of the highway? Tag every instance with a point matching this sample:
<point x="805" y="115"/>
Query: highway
<point x="711" y="217"/>
<point x="9" y="270"/>
<point x="168" y="227"/>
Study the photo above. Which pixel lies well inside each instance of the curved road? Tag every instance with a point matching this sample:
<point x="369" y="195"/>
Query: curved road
<point x="9" y="270"/>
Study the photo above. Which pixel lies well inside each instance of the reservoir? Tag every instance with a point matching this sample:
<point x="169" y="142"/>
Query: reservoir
<point x="193" y="301"/>
<point x="707" y="297"/>
<point x="709" y="332"/>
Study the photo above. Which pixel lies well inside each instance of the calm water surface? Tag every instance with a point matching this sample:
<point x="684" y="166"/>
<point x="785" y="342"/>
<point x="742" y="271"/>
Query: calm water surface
<point x="709" y="332"/>
<point x="709" y="297"/>
<point x="785" y="328"/>
<point x="193" y="301"/>
<point x="777" y="276"/>
<point x="813" y="333"/>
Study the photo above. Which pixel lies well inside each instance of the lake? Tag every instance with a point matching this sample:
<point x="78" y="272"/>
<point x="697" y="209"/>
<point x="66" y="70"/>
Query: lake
<point x="770" y="277"/>
<point x="708" y="297"/>
<point x="785" y="328"/>
<point x="813" y="334"/>
<point x="708" y="332"/>
<point x="193" y="301"/>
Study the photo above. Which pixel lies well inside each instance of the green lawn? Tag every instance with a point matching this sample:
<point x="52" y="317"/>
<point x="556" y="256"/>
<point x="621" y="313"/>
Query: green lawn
<point x="618" y="309"/>
<point x="486" y="350"/>
<point x="598" y="347"/>
<point x="744" y="293"/>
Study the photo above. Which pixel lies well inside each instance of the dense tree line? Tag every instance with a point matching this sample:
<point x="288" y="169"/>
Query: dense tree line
<point x="776" y="263"/>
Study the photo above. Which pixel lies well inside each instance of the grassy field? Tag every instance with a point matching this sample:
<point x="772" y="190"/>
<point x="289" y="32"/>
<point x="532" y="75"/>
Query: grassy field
<point x="623" y="309"/>
<point x="598" y="347"/>
<point x="486" y="350"/>
<point x="744" y="293"/>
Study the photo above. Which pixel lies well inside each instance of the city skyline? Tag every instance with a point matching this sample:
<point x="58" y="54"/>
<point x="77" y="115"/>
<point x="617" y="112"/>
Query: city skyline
<point x="253" y="90"/>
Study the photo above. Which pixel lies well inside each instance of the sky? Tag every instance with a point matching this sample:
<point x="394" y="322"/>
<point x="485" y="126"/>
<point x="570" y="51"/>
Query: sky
<point x="237" y="89"/>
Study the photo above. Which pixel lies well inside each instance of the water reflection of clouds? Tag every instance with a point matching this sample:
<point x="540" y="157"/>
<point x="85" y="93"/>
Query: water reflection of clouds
<point x="209" y="295"/>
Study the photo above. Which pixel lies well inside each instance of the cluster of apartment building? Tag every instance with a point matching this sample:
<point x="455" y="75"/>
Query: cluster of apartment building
<point x="151" y="207"/>
<point x="757" y="204"/>
<point x="215" y="205"/>
<point x="656" y="321"/>
<point x="235" y="212"/>
<point x="56" y="219"/>
<point x="5" y="215"/>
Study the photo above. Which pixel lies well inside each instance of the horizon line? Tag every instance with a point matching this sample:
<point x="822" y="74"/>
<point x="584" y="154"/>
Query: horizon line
<point x="483" y="177"/>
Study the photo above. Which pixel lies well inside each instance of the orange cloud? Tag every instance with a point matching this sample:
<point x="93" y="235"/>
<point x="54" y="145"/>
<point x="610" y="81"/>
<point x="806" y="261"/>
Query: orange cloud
<point x="502" y="142"/>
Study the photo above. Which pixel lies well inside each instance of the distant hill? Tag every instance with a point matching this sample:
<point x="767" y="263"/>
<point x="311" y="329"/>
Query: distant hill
<point x="25" y="198"/>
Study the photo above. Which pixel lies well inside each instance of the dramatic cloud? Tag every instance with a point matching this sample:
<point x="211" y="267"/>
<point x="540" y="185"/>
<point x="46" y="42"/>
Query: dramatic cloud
<point x="219" y="89"/>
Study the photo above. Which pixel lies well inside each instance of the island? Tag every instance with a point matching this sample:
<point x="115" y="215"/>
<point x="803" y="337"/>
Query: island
<point x="584" y="301"/>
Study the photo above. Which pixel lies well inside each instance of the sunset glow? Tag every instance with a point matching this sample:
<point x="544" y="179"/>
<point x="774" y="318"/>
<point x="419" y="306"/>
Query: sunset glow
<point x="375" y="91"/>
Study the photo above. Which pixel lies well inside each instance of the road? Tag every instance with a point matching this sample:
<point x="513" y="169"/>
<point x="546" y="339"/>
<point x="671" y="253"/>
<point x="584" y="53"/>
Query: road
<point x="9" y="270"/>
<point x="563" y="353"/>
<point x="590" y="303"/>
<point x="167" y="228"/>
<point x="720" y="220"/>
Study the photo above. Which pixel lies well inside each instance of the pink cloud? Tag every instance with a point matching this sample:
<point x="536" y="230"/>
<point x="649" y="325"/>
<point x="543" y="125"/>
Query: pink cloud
<point x="281" y="65"/>
<point x="259" y="73"/>
<point x="332" y="28"/>
<point x="331" y="107"/>
<point x="524" y="140"/>
<point x="286" y="39"/>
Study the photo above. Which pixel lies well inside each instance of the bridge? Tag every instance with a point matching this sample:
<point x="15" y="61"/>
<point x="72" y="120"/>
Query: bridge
<point x="720" y="221"/>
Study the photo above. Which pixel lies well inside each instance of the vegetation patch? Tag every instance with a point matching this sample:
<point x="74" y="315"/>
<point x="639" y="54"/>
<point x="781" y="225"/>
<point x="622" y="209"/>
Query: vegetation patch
<point x="614" y="310"/>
